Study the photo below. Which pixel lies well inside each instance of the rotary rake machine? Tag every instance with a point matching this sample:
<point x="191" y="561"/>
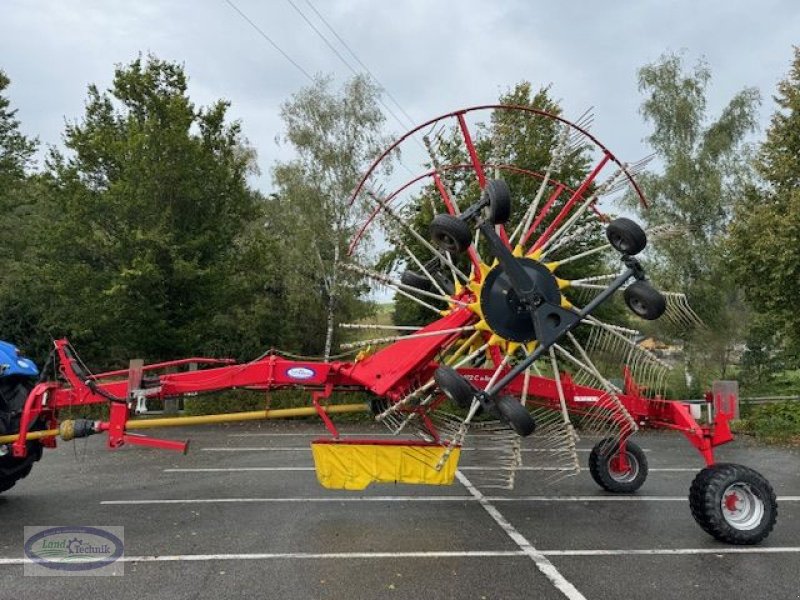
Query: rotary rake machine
<point x="514" y="347"/>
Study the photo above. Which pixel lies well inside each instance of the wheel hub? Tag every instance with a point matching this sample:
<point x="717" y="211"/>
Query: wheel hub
<point x="623" y="474"/>
<point x="741" y="507"/>
<point x="504" y="312"/>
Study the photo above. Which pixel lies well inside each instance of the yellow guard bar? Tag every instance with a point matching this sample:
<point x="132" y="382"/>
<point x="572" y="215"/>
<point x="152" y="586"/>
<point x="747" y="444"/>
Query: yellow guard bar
<point x="354" y="464"/>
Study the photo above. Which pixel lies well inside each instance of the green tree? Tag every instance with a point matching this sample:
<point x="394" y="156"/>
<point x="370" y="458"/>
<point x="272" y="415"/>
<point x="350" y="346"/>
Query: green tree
<point x="766" y="228"/>
<point x="705" y="168"/>
<point x="335" y="136"/>
<point x="20" y="215"/>
<point x="153" y="247"/>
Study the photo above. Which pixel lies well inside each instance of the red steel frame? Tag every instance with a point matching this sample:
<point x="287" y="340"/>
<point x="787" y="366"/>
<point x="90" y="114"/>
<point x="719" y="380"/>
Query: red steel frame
<point x="393" y="371"/>
<point x="389" y="373"/>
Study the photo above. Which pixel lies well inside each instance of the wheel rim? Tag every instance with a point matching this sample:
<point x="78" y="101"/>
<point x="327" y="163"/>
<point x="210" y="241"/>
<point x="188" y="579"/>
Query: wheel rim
<point x="638" y="306"/>
<point x="619" y="243"/>
<point x="742" y="508"/>
<point x="624" y="475"/>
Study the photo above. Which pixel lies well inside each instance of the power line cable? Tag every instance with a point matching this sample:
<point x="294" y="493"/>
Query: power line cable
<point x="359" y="61"/>
<point x="356" y="73"/>
<point x="270" y="40"/>
<point x="346" y="63"/>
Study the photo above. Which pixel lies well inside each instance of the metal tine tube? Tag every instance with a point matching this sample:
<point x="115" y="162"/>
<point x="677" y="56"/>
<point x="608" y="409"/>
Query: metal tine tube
<point x="394" y="238"/>
<point x="379" y="326"/>
<point x="555" y="161"/>
<point x="584" y="254"/>
<point x="633" y="169"/>
<point x="574" y="235"/>
<point x="458" y="438"/>
<point x="587" y="286"/>
<point x="567" y="422"/>
<point x="596" y="413"/>
<point x="576" y="214"/>
<point x="627" y="341"/>
<point x="426" y="386"/>
<point x="410" y="336"/>
<point x="398" y="285"/>
<point x="606" y="384"/>
<point x="593" y="278"/>
<point x="421" y="266"/>
<point x="419" y="238"/>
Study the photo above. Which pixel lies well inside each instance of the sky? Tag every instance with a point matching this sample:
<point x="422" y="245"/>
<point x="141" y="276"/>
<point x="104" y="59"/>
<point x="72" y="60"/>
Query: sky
<point x="432" y="56"/>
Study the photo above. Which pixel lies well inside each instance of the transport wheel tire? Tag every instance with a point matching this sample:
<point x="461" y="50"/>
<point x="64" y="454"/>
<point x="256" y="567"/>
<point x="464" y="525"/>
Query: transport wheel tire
<point x="644" y="300"/>
<point x="450" y="233"/>
<point x="415" y="280"/>
<point x="626" y="236"/>
<point x="453" y="385"/>
<point x="733" y="503"/>
<point x="13" y="393"/>
<point x="604" y="470"/>
<point x="499" y="197"/>
<point x="516" y="415"/>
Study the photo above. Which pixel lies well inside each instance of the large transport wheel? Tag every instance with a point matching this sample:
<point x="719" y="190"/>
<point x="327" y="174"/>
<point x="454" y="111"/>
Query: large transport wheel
<point x="605" y="469"/>
<point x="13" y="393"/>
<point x="733" y="503"/>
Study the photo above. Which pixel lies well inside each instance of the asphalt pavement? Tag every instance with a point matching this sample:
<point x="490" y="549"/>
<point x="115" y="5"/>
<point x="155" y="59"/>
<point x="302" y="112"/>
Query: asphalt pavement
<point x="242" y="515"/>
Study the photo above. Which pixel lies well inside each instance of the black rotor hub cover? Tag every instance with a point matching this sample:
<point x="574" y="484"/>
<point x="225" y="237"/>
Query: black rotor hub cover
<point x="503" y="310"/>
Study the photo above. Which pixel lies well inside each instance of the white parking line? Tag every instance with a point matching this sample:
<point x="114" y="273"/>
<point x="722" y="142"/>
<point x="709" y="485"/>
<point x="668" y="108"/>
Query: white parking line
<point x="439" y="554"/>
<point x="291" y="500"/>
<point x="307" y="448"/>
<point x="678" y="551"/>
<point x="540" y="560"/>
<point x="451" y="498"/>
<point x="524" y="468"/>
<point x="235" y="469"/>
<point x="322" y="432"/>
<point x="466" y="468"/>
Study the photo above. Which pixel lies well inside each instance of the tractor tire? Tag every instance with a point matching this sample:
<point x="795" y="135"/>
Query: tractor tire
<point x="626" y="237"/>
<point x="13" y="392"/>
<point x="733" y="503"/>
<point x="601" y="466"/>
<point x="516" y="415"/>
<point x="450" y="233"/>
<point x="499" y="197"/>
<point x="453" y="385"/>
<point x="644" y="300"/>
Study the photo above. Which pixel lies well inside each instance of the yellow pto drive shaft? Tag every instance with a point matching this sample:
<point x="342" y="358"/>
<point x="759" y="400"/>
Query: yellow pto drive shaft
<point x="66" y="429"/>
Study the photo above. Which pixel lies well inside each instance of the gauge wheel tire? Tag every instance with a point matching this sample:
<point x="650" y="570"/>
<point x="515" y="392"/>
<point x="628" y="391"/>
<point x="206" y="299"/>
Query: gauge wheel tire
<point x="644" y="300"/>
<point x="415" y="280"/>
<point x="626" y="236"/>
<point x="601" y="466"/>
<point x="453" y="385"/>
<point x="13" y="392"/>
<point x="450" y="233"/>
<point x="733" y="503"/>
<point x="499" y="197"/>
<point x="516" y="415"/>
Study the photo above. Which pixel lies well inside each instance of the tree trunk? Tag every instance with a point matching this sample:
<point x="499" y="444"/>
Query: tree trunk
<point x="331" y="303"/>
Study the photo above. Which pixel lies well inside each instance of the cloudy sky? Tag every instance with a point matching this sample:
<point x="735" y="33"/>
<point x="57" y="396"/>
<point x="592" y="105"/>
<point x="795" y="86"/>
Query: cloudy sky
<point x="432" y="56"/>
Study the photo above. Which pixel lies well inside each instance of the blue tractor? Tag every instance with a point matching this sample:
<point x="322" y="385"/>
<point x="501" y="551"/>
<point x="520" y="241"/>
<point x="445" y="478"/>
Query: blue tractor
<point x="18" y="375"/>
